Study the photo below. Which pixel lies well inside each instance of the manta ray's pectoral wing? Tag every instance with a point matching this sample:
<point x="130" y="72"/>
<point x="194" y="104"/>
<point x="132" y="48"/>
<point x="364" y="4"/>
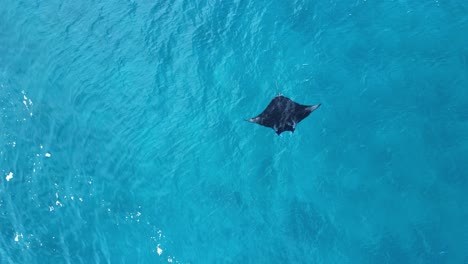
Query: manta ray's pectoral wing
<point x="304" y="111"/>
<point x="313" y="107"/>
<point x="263" y="120"/>
<point x="252" y="120"/>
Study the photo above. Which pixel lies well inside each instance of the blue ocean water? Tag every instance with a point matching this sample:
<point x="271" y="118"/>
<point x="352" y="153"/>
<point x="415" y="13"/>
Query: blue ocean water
<point x="123" y="140"/>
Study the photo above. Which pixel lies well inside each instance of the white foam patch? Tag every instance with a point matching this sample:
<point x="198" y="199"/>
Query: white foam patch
<point x="27" y="102"/>
<point x="47" y="155"/>
<point x="159" y="249"/>
<point x="18" y="236"/>
<point x="9" y="176"/>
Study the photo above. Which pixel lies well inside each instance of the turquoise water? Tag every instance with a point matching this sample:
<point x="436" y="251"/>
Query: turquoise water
<point x="123" y="140"/>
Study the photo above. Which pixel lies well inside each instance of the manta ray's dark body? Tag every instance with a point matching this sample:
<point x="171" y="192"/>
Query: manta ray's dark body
<point x="283" y="114"/>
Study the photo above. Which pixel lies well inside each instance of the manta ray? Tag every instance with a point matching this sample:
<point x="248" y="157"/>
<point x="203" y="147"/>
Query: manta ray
<point x="283" y="114"/>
